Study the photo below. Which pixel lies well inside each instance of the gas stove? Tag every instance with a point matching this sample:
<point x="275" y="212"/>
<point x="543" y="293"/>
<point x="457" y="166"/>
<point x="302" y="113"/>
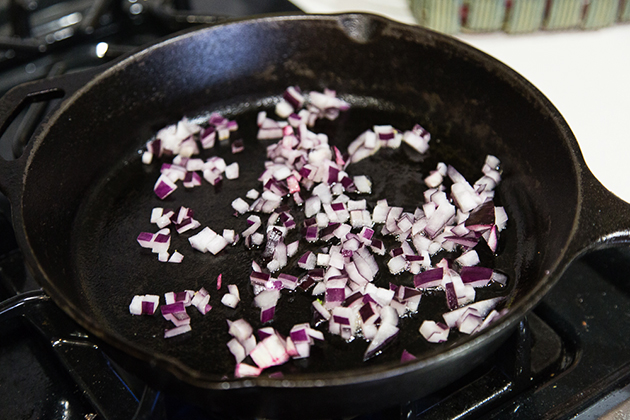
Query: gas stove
<point x="567" y="359"/>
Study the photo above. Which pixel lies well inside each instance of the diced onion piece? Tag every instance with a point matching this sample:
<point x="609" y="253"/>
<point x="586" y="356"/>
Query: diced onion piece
<point x="476" y="276"/>
<point x="499" y="277"/>
<point x="416" y="141"/>
<point x="145" y="239"/>
<point x="397" y="264"/>
<point x="266" y="301"/>
<point x="482" y="308"/>
<point x="201" y="301"/>
<point x="177" y="331"/>
<point x="201" y="240"/>
<point x="385" y="334"/>
<point x="363" y="184"/>
<point x="240" y="329"/>
<point x="144" y="304"/>
<point x="269" y="352"/>
<point x="429" y="278"/>
<point x="244" y="370"/>
<point x="500" y="217"/>
<point x="176" y="258"/>
<point x="252" y="194"/>
<point x="240" y="205"/>
<point x="161" y="243"/>
<point x="156" y="213"/>
<point x="232" y="171"/>
<point x="233" y="289"/>
<point x="434" y="332"/>
<point x="468" y="258"/>
<point x="230" y="300"/>
<point x="237" y="350"/>
<point x="216" y="244"/>
<point x="164" y="187"/>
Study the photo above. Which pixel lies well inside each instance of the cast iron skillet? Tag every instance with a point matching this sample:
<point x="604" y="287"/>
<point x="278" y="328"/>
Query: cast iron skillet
<point x="80" y="196"/>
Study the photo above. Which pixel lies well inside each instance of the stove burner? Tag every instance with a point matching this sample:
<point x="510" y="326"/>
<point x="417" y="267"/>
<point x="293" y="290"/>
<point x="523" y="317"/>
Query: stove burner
<point x="30" y="29"/>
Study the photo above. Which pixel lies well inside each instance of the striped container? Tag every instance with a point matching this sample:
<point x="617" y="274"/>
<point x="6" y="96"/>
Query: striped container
<point x="439" y="15"/>
<point x="518" y="16"/>
<point x="525" y="16"/>
<point x="601" y="13"/>
<point x="563" y="14"/>
<point x="484" y="15"/>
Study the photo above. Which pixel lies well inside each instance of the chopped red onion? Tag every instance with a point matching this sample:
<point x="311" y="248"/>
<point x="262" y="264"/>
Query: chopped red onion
<point x="414" y="140"/>
<point x="237" y="350"/>
<point x="145" y="239"/>
<point x="476" y="276"/>
<point x="434" y="332"/>
<point x="177" y="331"/>
<point x="178" y="318"/>
<point x="491" y="317"/>
<point x="156" y="214"/>
<point x="481" y="308"/>
<point x="266" y="301"/>
<point x="201" y="240"/>
<point x="385" y="334"/>
<point x="230" y="300"/>
<point x="499" y="278"/>
<point x="482" y="218"/>
<point x="319" y="307"/>
<point x="294" y="97"/>
<point x="303" y="167"/>
<point x="176" y="258"/>
<point x="470" y="323"/>
<point x="288" y="281"/>
<point x="172" y="297"/>
<point x="468" y="258"/>
<point x="232" y="171"/>
<point x="397" y="264"/>
<point x="244" y="370"/>
<point x="175" y="307"/>
<point x="161" y="243"/>
<point x="144" y="304"/>
<point x="500" y="217"/>
<point x="217" y="244"/>
<point x="164" y="187"/>
<point x="406" y="357"/>
<point x="240" y="329"/>
<point x="311" y="233"/>
<point x="187" y="224"/>
<point x="363" y="184"/>
<point x="269" y="352"/>
<point x="492" y="238"/>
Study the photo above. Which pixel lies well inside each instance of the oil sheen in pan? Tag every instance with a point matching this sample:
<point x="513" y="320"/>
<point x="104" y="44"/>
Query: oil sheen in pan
<point x="118" y="207"/>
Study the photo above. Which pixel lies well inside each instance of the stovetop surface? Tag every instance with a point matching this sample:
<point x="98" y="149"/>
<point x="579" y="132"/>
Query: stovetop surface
<point x="568" y="359"/>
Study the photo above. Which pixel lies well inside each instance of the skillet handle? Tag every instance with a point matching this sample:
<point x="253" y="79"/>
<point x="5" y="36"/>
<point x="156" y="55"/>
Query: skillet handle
<point x="15" y="101"/>
<point x="604" y="219"/>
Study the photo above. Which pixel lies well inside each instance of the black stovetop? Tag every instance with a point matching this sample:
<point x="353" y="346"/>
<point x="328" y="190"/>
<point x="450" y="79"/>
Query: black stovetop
<point x="568" y="359"/>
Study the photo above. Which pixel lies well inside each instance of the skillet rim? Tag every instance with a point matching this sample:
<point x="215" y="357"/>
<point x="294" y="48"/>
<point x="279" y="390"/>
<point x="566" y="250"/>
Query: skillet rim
<point x="360" y="375"/>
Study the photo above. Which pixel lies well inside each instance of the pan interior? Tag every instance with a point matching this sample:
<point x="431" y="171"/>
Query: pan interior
<point x="89" y="196"/>
<point x="113" y="268"/>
